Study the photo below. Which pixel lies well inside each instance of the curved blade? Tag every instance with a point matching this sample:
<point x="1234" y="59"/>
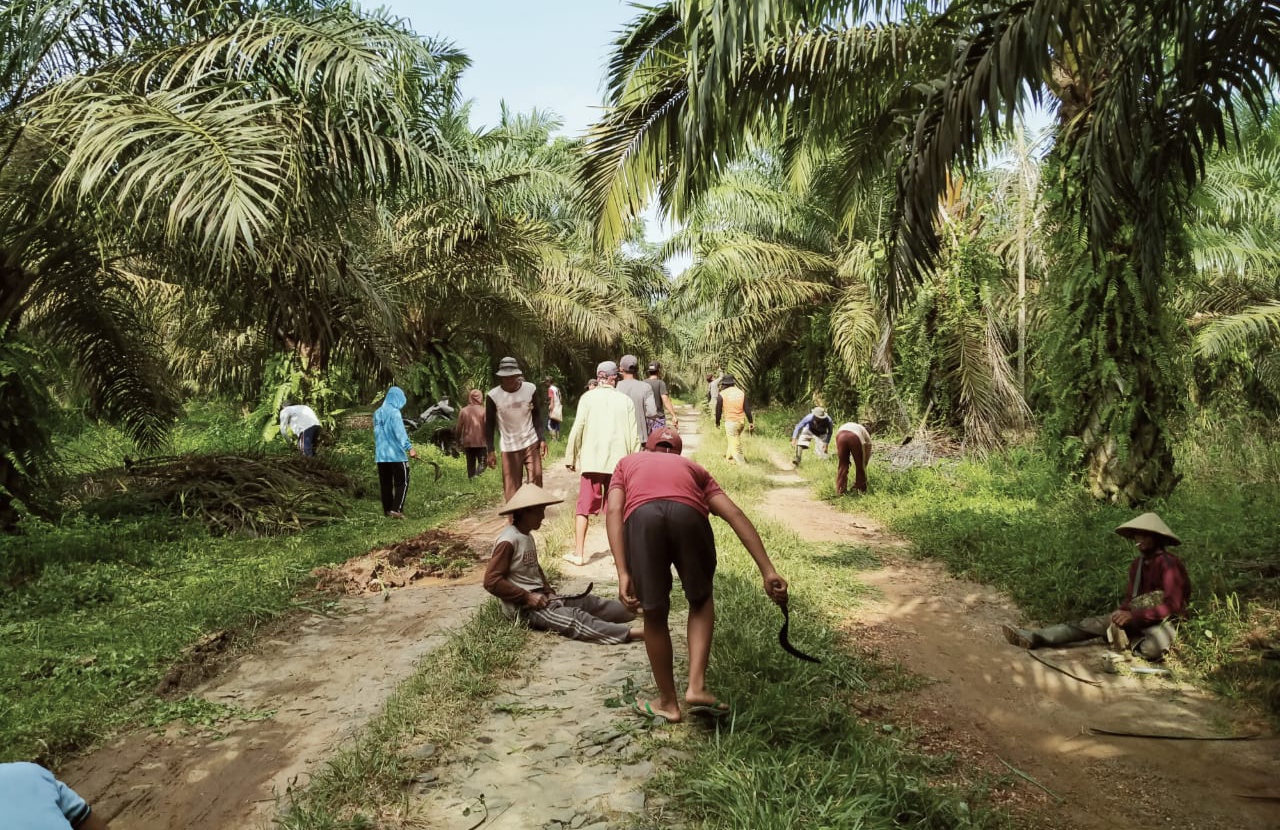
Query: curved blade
<point x="785" y="642"/>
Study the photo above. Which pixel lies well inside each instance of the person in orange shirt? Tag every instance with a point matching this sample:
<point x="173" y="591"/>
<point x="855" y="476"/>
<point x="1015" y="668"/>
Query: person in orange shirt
<point x="732" y="406"/>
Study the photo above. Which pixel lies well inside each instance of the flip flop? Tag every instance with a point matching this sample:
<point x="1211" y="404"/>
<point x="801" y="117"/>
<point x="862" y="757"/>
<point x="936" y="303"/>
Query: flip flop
<point x="715" y="709"/>
<point x="646" y="711"/>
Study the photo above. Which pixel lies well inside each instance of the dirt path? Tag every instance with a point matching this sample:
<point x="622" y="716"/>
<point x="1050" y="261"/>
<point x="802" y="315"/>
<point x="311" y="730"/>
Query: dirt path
<point x="990" y="701"/>
<point x="323" y="676"/>
<point x="548" y="754"/>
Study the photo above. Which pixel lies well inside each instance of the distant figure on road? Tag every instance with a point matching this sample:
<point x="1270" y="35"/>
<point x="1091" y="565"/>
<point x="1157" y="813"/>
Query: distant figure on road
<point x="659" y="503"/>
<point x="32" y="799"/>
<point x="555" y="408"/>
<point x="640" y="393"/>
<point x="662" y="397"/>
<point x="515" y="577"/>
<point x="814" y="429"/>
<point x="392" y="450"/>
<point x="603" y="433"/>
<point x="733" y="407"/>
<point x="1155" y="599"/>
<point x="513" y="409"/>
<point x="471" y="433"/>
<point x="853" y="444"/>
<point x="299" y="421"/>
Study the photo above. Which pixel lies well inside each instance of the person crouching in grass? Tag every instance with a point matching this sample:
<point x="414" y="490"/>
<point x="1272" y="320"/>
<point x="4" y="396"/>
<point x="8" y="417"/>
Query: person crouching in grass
<point x="515" y="577"/>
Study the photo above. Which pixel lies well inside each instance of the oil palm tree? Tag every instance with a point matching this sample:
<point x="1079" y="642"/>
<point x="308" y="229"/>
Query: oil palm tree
<point x="1143" y="91"/>
<point x="203" y="139"/>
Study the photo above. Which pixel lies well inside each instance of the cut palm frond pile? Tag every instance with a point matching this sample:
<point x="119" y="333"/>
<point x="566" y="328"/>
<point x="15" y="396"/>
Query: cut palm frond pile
<point x="432" y="553"/>
<point x="253" y="495"/>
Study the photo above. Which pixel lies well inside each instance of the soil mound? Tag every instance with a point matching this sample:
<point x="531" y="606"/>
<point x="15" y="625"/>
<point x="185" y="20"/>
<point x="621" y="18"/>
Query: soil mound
<point x="433" y="553"/>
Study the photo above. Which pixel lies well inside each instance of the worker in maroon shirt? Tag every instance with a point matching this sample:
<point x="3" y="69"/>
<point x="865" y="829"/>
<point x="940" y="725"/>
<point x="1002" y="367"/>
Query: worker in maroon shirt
<point x="1154" y="600"/>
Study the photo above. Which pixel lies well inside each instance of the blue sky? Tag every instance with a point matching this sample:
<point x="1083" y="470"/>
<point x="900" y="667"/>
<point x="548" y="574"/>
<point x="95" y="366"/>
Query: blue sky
<point x="550" y="54"/>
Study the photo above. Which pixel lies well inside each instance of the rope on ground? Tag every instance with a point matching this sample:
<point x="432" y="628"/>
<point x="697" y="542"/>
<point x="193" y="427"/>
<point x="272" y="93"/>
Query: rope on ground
<point x="1120" y="733"/>
<point x="1072" y="675"/>
<point x="1026" y="777"/>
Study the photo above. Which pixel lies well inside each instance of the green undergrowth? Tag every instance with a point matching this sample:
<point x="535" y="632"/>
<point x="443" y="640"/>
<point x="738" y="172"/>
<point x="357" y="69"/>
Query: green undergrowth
<point x="1014" y="521"/>
<point x="95" y="612"/>
<point x="368" y="779"/>
<point x="794" y="753"/>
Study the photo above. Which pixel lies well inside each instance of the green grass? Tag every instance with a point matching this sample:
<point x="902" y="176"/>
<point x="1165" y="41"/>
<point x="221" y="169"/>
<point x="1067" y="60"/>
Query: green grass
<point x="94" y="612"/>
<point x="795" y="753"/>
<point x="1012" y="520"/>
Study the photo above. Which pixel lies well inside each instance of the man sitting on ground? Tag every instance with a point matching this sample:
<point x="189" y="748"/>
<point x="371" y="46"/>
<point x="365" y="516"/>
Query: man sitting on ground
<point x="1154" y="600"/>
<point x="515" y="577"/>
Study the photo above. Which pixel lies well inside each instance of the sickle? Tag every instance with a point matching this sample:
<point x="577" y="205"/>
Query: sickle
<point x="785" y="642"/>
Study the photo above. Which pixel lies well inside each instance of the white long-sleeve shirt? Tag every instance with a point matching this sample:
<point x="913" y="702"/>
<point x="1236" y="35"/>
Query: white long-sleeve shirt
<point x="299" y="418"/>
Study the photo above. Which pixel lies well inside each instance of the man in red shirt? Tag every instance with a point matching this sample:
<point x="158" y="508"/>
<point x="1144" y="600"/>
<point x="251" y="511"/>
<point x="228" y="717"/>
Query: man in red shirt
<point x="657" y="517"/>
<point x="1154" y="600"/>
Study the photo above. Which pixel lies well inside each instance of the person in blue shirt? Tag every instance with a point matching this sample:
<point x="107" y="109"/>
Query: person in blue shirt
<point x="816" y="426"/>
<point x="392" y="450"/>
<point x="32" y="799"/>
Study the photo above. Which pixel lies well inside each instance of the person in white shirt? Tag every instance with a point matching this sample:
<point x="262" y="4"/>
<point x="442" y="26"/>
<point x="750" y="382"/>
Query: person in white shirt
<point x="300" y="422"/>
<point x="513" y="408"/>
<point x="555" y="409"/>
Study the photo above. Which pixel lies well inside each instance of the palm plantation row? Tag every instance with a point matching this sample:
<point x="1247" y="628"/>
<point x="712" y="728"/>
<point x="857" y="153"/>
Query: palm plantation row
<point x="251" y="200"/>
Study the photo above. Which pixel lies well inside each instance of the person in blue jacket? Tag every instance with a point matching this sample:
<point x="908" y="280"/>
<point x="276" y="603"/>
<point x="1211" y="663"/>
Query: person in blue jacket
<point x="392" y="450"/>
<point x="817" y="427"/>
<point x="32" y="799"/>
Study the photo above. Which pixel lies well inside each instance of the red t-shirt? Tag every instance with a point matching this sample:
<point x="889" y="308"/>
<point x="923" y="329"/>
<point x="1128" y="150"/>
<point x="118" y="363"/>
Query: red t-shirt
<point x="650" y="476"/>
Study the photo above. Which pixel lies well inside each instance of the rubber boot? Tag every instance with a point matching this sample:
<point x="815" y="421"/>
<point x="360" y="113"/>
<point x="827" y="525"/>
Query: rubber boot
<point x="1020" y="637"/>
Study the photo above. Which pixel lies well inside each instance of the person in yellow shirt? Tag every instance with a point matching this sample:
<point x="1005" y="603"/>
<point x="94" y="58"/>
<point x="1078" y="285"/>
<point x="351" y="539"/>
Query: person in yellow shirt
<point x="732" y="406"/>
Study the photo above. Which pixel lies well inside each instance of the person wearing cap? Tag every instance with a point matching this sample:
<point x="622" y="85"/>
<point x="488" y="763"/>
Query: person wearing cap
<point x="853" y="445"/>
<point x="604" y="432"/>
<point x="301" y="421"/>
<point x="1155" y="599"/>
<point x="640" y="393"/>
<point x="816" y="426"/>
<point x="514" y="576"/>
<point x="662" y="397"/>
<point x="31" y="798"/>
<point x="555" y="408"/>
<point x="733" y="407"/>
<point x="512" y="409"/>
<point x="392" y="451"/>
<point x="658" y="517"/>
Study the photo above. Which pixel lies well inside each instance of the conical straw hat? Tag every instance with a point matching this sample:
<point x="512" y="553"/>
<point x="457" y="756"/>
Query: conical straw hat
<point x="530" y="495"/>
<point x="1148" y="523"/>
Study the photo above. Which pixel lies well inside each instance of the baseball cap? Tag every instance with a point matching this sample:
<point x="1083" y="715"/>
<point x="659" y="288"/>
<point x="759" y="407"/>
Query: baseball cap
<point x="629" y="363"/>
<point x="606" y="368"/>
<point x="664" y="436"/>
<point x="654" y="367"/>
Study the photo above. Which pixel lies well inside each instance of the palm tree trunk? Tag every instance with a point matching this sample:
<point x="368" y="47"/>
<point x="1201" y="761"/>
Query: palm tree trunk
<point x="1120" y="361"/>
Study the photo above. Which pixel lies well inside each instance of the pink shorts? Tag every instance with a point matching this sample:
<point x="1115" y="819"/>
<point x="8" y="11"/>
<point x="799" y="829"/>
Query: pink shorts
<point x="592" y="490"/>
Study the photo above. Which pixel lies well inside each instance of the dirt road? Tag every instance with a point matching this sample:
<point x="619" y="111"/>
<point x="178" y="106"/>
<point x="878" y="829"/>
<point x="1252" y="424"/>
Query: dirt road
<point x="548" y="754"/>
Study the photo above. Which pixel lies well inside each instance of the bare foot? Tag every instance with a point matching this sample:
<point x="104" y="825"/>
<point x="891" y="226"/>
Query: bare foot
<point x="705" y="701"/>
<point x="636" y="635"/>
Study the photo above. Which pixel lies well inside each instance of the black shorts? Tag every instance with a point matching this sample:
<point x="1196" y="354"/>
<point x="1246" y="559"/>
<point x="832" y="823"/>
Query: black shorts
<point x="663" y="533"/>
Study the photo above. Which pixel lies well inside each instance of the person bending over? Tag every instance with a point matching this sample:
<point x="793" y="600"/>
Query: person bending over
<point x="657" y="517"/>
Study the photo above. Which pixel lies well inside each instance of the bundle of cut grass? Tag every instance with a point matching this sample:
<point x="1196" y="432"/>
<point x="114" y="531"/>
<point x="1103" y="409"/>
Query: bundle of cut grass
<point x="231" y="493"/>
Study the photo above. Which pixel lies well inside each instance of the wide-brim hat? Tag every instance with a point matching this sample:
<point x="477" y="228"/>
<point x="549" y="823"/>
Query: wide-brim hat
<point x="1148" y="523"/>
<point x="529" y="495"/>
<point x="727" y="380"/>
<point x="508" y="367"/>
<point x="819" y="412"/>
